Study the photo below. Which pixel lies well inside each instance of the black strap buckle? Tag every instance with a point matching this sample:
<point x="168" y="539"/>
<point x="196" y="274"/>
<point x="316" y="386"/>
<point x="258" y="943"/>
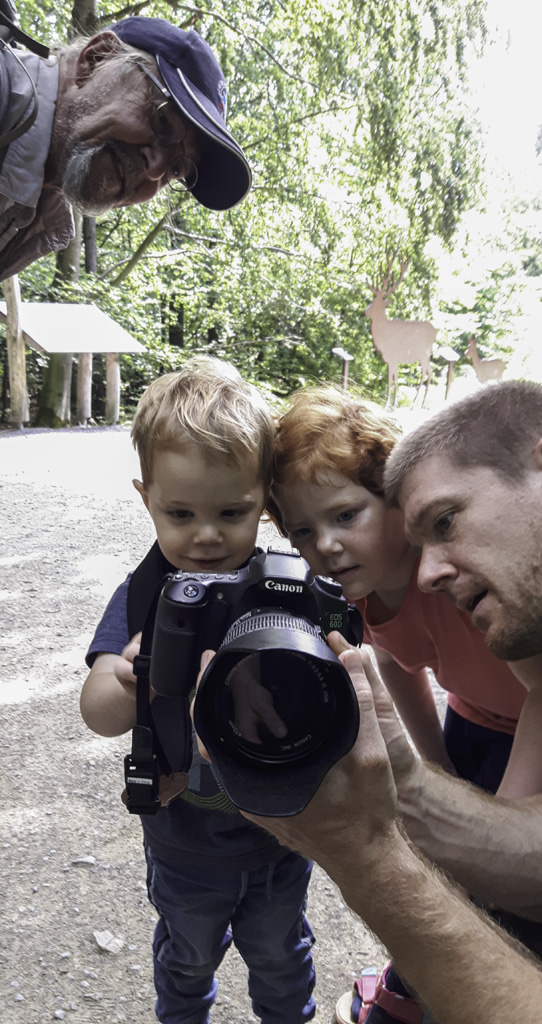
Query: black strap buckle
<point x="142" y="665"/>
<point x="142" y="783"/>
<point x="142" y="774"/>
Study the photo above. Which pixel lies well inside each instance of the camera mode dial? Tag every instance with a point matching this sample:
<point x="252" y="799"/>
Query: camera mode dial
<point x="330" y="586"/>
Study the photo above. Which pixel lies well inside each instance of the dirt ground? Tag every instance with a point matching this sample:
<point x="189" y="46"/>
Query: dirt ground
<point x="72" y="860"/>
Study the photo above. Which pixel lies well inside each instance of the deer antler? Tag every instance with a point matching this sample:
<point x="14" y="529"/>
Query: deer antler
<point x="390" y="286"/>
<point x="385" y="285"/>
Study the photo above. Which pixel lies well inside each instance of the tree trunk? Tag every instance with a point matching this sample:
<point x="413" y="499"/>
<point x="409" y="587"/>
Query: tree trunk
<point x="54" y="405"/>
<point x="89" y="236"/>
<point x="84" y="388"/>
<point x="55" y="397"/>
<point x="19" y="413"/>
<point x="112" y="388"/>
<point x="85" y="18"/>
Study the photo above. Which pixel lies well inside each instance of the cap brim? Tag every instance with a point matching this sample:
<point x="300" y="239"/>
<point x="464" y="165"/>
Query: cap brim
<point x="224" y="176"/>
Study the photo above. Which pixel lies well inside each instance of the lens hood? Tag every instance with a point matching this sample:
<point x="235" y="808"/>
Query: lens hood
<point x="275" y="710"/>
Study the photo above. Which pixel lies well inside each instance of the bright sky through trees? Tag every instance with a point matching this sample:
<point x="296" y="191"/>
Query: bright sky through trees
<point x="507" y="84"/>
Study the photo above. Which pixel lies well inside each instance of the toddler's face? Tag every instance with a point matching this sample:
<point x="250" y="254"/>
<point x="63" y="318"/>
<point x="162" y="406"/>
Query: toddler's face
<point x="346" y="532"/>
<point x="206" y="515"/>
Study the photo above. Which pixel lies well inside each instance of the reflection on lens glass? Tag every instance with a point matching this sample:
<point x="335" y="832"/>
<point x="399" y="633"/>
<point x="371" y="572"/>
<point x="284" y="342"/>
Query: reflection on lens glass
<point x="275" y="704"/>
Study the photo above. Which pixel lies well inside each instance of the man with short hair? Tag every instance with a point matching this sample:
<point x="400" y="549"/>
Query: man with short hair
<point x="108" y="122"/>
<point x="469" y="482"/>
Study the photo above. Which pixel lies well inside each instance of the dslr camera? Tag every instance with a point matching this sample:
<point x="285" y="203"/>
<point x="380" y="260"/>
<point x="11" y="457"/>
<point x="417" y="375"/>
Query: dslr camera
<point x="275" y="708"/>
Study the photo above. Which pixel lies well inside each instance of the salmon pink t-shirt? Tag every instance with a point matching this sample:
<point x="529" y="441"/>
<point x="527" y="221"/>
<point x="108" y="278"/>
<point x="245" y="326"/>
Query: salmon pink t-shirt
<point x="428" y="631"/>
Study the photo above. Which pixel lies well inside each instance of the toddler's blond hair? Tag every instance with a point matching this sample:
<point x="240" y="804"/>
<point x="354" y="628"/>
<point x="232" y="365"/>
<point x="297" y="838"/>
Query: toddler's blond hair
<point x="208" y="403"/>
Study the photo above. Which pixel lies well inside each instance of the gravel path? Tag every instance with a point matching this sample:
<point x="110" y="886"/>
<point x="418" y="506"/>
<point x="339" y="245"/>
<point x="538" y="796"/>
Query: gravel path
<point x="72" y="856"/>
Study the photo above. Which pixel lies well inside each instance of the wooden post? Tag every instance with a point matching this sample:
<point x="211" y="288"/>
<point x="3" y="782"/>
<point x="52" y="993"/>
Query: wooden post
<point x="112" y="388"/>
<point x="84" y="388"/>
<point x="18" y="394"/>
<point x="448" y="379"/>
<point x="346" y="359"/>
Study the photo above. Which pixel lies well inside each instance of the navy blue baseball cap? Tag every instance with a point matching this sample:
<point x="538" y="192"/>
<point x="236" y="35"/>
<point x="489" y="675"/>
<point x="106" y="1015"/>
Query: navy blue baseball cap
<point x="193" y="77"/>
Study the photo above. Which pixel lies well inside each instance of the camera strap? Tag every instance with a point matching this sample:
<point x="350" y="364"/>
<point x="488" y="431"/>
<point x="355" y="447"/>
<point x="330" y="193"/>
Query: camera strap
<point x="143" y="765"/>
<point x="21" y="37"/>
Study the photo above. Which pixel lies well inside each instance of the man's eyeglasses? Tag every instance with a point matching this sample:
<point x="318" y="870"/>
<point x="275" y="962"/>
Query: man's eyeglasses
<point x="170" y="129"/>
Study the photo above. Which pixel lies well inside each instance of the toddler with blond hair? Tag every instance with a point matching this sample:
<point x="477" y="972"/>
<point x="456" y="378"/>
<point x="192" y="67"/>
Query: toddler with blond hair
<point x="204" y="438"/>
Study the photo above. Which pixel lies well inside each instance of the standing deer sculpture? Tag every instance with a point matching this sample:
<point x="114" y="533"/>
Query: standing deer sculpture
<point x="485" y="369"/>
<point x="399" y="341"/>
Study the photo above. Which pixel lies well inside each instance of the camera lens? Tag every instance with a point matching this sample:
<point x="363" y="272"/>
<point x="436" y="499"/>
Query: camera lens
<point x="275" y="705"/>
<point x="275" y="709"/>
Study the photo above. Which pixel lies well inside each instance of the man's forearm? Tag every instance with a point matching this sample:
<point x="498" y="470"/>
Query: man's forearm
<point x="452" y="955"/>
<point x="459" y="963"/>
<point x="490" y="845"/>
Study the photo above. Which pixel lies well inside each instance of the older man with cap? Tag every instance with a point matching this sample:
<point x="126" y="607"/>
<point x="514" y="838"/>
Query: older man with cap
<point x="108" y="122"/>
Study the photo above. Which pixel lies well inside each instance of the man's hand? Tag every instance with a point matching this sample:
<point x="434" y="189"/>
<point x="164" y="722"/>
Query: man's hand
<point x="355" y="806"/>
<point x="404" y="761"/>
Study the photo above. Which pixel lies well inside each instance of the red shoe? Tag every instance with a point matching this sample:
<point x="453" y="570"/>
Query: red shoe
<point x="370" y="993"/>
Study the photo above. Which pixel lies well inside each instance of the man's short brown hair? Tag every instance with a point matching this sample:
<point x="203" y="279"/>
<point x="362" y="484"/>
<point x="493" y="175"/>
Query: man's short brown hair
<point x="207" y="403"/>
<point x="498" y="427"/>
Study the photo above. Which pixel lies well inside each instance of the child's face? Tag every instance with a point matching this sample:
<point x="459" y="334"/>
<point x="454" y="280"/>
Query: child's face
<point x="346" y="532"/>
<point x="206" y="515"/>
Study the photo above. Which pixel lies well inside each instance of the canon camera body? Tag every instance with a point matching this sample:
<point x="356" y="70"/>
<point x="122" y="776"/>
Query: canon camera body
<point x="275" y="708"/>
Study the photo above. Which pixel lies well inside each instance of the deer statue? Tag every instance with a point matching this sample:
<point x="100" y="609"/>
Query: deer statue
<point x="485" y="369"/>
<point x="399" y="341"/>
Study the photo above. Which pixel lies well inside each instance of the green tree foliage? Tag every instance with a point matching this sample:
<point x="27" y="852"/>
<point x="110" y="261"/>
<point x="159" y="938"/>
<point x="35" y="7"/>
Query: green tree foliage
<point x="351" y="113"/>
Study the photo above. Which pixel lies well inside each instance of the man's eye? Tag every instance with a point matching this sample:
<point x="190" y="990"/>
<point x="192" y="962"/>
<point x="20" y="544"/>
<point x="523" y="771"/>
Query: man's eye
<point x="177" y="170"/>
<point x="163" y="123"/>
<point x="444" y="523"/>
<point x="166" y="125"/>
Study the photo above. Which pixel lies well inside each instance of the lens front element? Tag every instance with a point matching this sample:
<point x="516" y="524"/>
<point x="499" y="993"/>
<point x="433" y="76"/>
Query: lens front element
<point x="274" y="705"/>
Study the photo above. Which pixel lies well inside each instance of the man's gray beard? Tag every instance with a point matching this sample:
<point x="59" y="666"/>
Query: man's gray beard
<point x="76" y="182"/>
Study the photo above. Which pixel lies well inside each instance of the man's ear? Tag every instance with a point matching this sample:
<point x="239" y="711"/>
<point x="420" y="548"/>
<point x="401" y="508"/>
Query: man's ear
<point x="140" y="488"/>
<point x="100" y="47"/>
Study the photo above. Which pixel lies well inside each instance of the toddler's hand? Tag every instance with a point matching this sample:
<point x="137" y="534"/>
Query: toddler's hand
<point x="124" y="667"/>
